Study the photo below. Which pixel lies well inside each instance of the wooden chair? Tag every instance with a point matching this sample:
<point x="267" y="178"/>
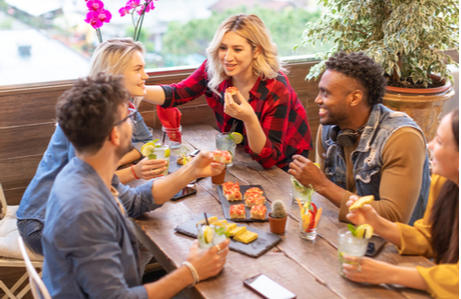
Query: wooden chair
<point x="10" y="254"/>
<point x="39" y="289"/>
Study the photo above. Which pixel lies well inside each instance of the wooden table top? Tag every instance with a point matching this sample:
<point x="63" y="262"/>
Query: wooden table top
<point x="308" y="269"/>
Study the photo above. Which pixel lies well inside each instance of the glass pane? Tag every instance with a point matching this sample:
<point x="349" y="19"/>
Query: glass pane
<point x="48" y="40"/>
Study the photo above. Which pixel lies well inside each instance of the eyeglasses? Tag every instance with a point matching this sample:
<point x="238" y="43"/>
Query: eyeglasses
<point x="132" y="116"/>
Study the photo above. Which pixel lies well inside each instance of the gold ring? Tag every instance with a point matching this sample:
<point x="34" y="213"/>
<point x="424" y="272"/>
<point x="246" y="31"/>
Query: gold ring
<point x="217" y="247"/>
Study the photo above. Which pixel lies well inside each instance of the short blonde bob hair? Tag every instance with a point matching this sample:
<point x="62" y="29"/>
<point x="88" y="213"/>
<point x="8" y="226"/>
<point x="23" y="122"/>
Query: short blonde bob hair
<point x="113" y="56"/>
<point x="250" y="27"/>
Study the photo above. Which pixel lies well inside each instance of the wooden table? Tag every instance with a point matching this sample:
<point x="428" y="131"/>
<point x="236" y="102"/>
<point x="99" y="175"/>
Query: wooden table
<point x="308" y="269"/>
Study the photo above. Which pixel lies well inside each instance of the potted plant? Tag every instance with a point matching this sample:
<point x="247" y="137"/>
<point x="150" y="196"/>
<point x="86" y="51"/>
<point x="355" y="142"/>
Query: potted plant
<point x="278" y="217"/>
<point x="407" y="37"/>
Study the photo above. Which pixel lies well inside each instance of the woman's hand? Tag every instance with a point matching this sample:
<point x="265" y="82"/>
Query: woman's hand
<point x="242" y="110"/>
<point x="364" y="269"/>
<point x="209" y="262"/>
<point x="365" y="214"/>
<point x="148" y="169"/>
<point x="203" y="165"/>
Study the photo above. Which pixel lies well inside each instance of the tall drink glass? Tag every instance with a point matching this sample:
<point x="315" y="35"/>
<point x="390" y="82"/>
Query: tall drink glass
<point x="210" y="235"/>
<point x="162" y="152"/>
<point x="349" y="245"/>
<point x="225" y="143"/>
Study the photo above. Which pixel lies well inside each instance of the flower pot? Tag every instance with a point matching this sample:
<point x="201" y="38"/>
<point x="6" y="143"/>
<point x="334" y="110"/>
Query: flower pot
<point x="277" y="225"/>
<point x="423" y="105"/>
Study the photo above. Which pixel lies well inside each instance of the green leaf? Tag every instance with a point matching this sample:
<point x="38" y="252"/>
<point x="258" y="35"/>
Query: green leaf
<point x="351" y="228"/>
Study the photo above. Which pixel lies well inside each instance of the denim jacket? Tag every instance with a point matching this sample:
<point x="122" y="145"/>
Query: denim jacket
<point x="367" y="157"/>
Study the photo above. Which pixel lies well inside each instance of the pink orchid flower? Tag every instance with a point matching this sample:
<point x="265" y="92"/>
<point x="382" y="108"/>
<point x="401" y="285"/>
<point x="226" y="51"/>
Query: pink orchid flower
<point x="95" y="5"/>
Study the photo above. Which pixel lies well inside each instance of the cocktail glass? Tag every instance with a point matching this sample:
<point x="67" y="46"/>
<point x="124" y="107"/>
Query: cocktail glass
<point x="299" y="191"/>
<point x="219" y="178"/>
<point x="224" y="142"/>
<point x="350" y="246"/>
<point x="310" y="217"/>
<point x="162" y="152"/>
<point x="210" y="235"/>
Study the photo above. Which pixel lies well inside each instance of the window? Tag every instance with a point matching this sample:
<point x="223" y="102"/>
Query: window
<point x="48" y="40"/>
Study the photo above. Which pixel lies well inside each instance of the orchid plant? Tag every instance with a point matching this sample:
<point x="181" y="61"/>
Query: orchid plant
<point x="97" y="15"/>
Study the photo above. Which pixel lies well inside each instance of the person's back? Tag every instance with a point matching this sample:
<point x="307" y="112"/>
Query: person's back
<point x="87" y="221"/>
<point x="32" y="208"/>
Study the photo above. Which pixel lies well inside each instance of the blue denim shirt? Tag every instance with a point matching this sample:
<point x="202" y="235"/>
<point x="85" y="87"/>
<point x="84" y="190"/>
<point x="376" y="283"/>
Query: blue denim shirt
<point x="58" y="153"/>
<point x="367" y="157"/>
<point x="89" y="243"/>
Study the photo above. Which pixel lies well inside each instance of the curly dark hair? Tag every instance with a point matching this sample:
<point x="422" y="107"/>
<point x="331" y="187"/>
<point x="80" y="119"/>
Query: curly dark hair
<point x="359" y="66"/>
<point x="87" y="111"/>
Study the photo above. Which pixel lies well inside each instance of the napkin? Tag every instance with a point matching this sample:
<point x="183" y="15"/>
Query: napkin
<point x="171" y="122"/>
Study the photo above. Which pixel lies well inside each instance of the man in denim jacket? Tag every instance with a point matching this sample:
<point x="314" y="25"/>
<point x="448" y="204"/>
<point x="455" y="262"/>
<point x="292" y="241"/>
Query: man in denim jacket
<point x="364" y="147"/>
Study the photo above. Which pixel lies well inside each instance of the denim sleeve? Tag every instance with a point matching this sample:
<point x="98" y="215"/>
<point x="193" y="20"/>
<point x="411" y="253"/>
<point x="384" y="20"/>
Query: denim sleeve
<point x="91" y="242"/>
<point x="136" y="200"/>
<point x="56" y="156"/>
<point x="141" y="133"/>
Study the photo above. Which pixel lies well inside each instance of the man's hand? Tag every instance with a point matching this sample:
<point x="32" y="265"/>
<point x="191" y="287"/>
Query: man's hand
<point x="148" y="169"/>
<point x="306" y="172"/>
<point x="203" y="165"/>
<point x="209" y="262"/>
<point x="242" y="110"/>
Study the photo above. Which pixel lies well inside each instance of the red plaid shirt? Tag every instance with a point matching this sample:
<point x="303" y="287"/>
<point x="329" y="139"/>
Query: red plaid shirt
<point x="282" y="116"/>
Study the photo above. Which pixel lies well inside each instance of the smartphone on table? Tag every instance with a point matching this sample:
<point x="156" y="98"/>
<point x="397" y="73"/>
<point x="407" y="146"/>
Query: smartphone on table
<point x="186" y="191"/>
<point x="267" y="288"/>
<point x="375" y="245"/>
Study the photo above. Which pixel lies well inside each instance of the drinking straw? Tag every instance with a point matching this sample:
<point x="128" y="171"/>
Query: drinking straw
<point x="206" y="218"/>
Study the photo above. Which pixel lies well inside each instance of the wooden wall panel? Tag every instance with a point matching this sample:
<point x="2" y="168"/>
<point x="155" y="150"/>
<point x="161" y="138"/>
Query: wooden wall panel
<point x="27" y="120"/>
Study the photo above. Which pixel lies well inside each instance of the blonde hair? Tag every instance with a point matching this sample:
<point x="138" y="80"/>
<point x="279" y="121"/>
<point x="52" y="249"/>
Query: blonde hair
<point x="250" y="27"/>
<point x="113" y="56"/>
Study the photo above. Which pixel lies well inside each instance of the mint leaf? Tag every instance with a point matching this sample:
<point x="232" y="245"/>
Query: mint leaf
<point x="351" y="228"/>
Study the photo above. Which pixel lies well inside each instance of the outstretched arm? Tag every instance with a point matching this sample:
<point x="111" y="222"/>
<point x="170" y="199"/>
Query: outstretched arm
<point x="154" y="95"/>
<point x="377" y="272"/>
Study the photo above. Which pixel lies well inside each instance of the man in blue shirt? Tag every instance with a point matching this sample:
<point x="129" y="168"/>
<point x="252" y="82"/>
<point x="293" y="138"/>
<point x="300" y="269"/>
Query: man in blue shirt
<point x="89" y="243"/>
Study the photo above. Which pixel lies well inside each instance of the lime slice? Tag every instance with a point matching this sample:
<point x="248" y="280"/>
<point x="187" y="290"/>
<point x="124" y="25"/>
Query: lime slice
<point x="208" y="234"/>
<point x="147" y="149"/>
<point x="236" y="137"/>
<point x="361" y="201"/>
<point x="364" y="231"/>
<point x="167" y="153"/>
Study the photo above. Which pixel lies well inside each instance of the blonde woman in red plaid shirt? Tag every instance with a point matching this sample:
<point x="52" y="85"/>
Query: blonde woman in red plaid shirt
<point x="266" y="109"/>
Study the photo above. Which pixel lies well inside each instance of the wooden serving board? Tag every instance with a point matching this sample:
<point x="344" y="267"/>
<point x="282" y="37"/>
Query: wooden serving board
<point x="258" y="247"/>
<point x="225" y="204"/>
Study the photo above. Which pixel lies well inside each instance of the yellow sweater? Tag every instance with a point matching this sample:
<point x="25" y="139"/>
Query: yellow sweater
<point x="442" y="279"/>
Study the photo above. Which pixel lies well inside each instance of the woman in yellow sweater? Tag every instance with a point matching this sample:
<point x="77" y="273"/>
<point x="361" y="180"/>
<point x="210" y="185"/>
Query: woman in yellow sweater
<point x="435" y="235"/>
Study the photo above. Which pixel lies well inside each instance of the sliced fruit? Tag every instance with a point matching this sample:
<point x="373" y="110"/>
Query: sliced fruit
<point x="167" y="152"/>
<point x="364" y="231"/>
<point x="147" y="149"/>
<point x="317" y="217"/>
<point x="208" y="234"/>
<point x="306" y="221"/>
<point x="362" y="201"/>
<point x="212" y="219"/>
<point x="236" y="137"/>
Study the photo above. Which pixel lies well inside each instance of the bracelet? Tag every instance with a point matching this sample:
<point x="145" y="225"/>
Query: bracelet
<point x="193" y="271"/>
<point x="133" y="172"/>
